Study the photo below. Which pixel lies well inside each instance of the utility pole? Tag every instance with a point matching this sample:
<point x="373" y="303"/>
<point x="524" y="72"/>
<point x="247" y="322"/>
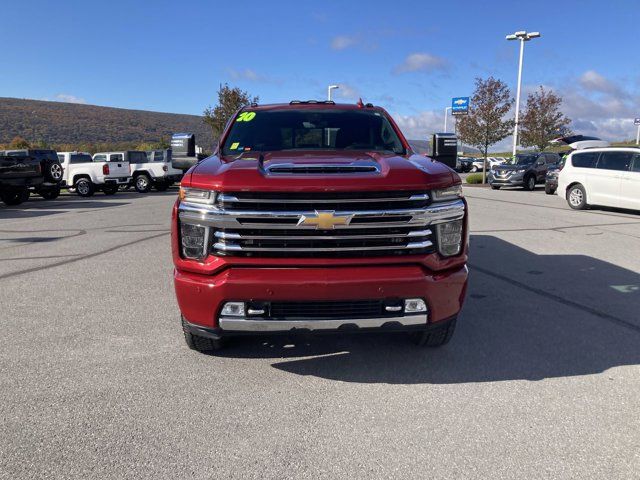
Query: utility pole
<point x="329" y="88"/>
<point x="523" y="37"/>
<point x="445" y="118"/>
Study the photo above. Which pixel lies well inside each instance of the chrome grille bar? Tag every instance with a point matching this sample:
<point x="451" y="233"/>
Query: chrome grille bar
<point x="226" y="247"/>
<point x="241" y="236"/>
<point x="229" y="198"/>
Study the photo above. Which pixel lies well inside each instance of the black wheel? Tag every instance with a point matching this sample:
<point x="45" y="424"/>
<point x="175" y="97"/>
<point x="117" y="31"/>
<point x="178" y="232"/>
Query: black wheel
<point x="50" y="193"/>
<point x="162" y="186"/>
<point x="549" y="190"/>
<point x="54" y="172"/>
<point x="143" y="183"/>
<point x="85" y="187"/>
<point x="15" y="197"/>
<point x="530" y="183"/>
<point x="200" y="344"/>
<point x="577" y="197"/>
<point x="495" y="187"/>
<point x="436" y="337"/>
<point x="110" y="189"/>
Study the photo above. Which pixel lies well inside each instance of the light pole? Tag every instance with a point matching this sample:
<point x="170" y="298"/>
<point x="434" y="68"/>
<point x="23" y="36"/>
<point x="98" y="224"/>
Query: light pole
<point x="445" y="118"/>
<point x="637" y="122"/>
<point x="329" y="88"/>
<point x="523" y="37"/>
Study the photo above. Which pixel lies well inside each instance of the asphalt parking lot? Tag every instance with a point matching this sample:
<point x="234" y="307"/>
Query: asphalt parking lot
<point x="541" y="380"/>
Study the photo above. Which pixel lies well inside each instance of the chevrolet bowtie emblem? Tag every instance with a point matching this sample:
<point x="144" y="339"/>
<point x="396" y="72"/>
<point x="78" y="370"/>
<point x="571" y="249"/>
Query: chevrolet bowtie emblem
<point x="324" y="220"/>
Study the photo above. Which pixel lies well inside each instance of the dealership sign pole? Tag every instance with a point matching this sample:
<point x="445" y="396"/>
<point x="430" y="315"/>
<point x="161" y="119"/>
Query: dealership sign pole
<point x="637" y="122"/>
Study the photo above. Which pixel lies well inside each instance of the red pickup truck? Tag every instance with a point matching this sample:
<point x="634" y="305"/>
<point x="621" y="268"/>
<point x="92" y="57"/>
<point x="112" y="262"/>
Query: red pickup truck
<point x="318" y="217"/>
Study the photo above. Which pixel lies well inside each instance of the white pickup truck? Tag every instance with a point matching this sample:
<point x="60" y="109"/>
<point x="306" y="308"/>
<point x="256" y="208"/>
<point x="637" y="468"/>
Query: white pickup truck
<point x="152" y="169"/>
<point x="87" y="174"/>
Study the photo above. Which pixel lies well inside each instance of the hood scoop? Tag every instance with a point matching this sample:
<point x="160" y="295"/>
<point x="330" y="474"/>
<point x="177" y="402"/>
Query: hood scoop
<point x="322" y="168"/>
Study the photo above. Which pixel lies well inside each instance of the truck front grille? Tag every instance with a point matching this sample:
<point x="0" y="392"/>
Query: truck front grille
<point x="268" y="201"/>
<point x="326" y="224"/>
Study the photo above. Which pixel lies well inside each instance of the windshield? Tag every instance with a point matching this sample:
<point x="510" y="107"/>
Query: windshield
<point x="332" y="129"/>
<point x="522" y="160"/>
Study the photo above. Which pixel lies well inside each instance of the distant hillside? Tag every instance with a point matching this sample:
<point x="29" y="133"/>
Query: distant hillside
<point x="71" y="123"/>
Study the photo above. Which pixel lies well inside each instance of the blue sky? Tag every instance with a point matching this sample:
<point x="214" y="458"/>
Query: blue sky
<point x="410" y="57"/>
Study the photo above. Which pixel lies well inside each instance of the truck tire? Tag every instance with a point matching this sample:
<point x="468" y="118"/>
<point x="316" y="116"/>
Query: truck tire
<point x="142" y="183"/>
<point x="50" y="193"/>
<point x="436" y="337"/>
<point x="162" y="186"/>
<point x="530" y="183"/>
<point x="577" y="197"/>
<point x="110" y="189"/>
<point x="15" y="197"/>
<point x="495" y="187"/>
<point x="85" y="187"/>
<point x="549" y="190"/>
<point x="53" y="172"/>
<point x="200" y="344"/>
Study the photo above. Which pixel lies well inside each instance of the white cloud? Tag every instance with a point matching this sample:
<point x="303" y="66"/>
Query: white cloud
<point x="347" y="91"/>
<point x="65" y="97"/>
<point x="592" y="81"/>
<point x="421" y="125"/>
<point x="342" y="42"/>
<point x="246" y="74"/>
<point x="421" y="62"/>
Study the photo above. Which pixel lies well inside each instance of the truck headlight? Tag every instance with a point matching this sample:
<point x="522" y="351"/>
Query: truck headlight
<point x="449" y="193"/>
<point x="193" y="239"/>
<point x="197" y="195"/>
<point x="449" y="238"/>
<point x="414" y="305"/>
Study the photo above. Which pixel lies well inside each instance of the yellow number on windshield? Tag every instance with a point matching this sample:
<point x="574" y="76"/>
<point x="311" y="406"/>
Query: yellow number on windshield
<point x="246" y="117"/>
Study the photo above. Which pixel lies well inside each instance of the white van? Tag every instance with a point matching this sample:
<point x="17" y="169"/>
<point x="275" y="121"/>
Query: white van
<point x="608" y="176"/>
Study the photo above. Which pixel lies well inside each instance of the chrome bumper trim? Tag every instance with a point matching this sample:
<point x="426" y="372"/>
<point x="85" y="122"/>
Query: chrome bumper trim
<point x="255" y="325"/>
<point x="233" y="219"/>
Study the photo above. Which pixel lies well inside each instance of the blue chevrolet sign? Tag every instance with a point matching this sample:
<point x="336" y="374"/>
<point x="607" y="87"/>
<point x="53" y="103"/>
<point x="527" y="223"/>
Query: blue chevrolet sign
<point x="460" y="105"/>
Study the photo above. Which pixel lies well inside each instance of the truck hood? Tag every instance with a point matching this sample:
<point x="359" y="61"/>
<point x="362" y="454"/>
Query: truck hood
<point x="320" y="171"/>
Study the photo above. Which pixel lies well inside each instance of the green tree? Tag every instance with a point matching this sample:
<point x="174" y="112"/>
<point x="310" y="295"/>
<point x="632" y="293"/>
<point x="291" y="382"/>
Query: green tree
<point x="486" y="124"/>
<point x="19" y="142"/>
<point x="229" y="100"/>
<point x="542" y="121"/>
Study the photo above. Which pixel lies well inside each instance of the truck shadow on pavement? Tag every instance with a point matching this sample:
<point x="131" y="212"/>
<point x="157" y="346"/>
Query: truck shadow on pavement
<point x="527" y="317"/>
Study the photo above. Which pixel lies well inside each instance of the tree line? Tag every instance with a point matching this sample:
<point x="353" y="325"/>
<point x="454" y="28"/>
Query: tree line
<point x="20" y="143"/>
<point x="488" y="123"/>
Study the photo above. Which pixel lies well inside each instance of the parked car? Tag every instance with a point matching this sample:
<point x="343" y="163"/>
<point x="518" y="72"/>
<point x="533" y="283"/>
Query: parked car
<point x="524" y="170"/>
<point x="154" y="169"/>
<point x="51" y="168"/>
<point x="605" y="176"/>
<point x="17" y="175"/>
<point x="466" y="164"/>
<point x="551" y="180"/>
<point x="88" y="175"/>
<point x="260" y="243"/>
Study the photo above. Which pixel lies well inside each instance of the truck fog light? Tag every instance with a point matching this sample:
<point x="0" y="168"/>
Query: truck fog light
<point x="449" y="238"/>
<point x="193" y="239"/>
<point x="414" y="305"/>
<point x="233" y="309"/>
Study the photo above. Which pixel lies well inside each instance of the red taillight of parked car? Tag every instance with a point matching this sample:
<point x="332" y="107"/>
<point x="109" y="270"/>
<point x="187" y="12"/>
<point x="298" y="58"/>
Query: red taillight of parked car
<point x="105" y="169"/>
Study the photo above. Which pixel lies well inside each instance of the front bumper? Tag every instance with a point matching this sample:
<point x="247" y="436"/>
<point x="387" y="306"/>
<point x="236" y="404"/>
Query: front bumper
<point x="200" y="297"/>
<point x="512" y="181"/>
